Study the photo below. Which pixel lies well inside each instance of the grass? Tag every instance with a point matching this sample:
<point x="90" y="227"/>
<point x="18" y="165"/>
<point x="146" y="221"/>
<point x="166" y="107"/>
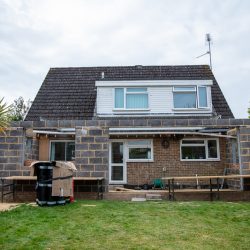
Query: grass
<point x="127" y="225"/>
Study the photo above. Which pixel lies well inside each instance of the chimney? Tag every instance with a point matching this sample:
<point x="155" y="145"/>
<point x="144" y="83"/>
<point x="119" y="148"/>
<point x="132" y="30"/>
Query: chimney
<point x="138" y="66"/>
<point x="102" y="75"/>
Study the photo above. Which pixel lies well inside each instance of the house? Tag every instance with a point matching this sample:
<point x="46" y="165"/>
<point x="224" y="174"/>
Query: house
<point x="131" y="125"/>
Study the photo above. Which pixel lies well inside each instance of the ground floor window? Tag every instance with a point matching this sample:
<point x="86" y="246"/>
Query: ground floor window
<point x="62" y="150"/>
<point x="140" y="150"/>
<point x="123" y="151"/>
<point x="200" y="149"/>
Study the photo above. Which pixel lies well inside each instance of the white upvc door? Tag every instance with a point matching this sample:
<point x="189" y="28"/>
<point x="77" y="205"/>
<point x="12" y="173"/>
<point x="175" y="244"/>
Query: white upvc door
<point x="117" y="163"/>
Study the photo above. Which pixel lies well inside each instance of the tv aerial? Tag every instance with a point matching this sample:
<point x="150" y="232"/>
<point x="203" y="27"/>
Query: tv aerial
<point x="208" y="40"/>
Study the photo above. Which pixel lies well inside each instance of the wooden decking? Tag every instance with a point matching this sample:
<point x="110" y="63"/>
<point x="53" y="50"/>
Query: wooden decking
<point x="12" y="183"/>
<point x="206" y="177"/>
<point x="214" y="192"/>
<point x="182" y="195"/>
<point x="172" y="190"/>
<point x="31" y="178"/>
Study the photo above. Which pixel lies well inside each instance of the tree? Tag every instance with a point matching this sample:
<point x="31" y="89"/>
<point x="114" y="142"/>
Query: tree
<point x="248" y="113"/>
<point x="4" y="115"/>
<point x="20" y="109"/>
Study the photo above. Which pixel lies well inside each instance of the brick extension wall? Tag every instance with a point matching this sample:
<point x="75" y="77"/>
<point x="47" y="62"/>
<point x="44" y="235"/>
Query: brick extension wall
<point x="95" y="150"/>
<point x="146" y="172"/>
<point x="245" y="149"/>
<point x="12" y="152"/>
<point x="31" y="149"/>
<point x="91" y="152"/>
<point x="232" y="155"/>
<point x="238" y="154"/>
<point x="245" y="154"/>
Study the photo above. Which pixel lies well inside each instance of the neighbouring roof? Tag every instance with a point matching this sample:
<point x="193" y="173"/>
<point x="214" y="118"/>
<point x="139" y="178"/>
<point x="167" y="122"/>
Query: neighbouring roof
<point x="70" y="93"/>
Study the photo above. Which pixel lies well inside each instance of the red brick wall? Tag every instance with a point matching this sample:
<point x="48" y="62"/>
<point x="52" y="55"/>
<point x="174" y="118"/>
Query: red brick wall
<point x="146" y="172"/>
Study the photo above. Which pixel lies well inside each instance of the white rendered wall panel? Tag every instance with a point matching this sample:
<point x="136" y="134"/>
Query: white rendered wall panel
<point x="104" y="100"/>
<point x="160" y="99"/>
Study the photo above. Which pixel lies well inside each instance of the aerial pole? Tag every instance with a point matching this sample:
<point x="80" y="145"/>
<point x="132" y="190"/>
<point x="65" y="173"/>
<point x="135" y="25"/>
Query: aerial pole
<point x="208" y="40"/>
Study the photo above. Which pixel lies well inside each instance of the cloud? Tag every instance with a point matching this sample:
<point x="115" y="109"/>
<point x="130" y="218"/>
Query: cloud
<point x="37" y="35"/>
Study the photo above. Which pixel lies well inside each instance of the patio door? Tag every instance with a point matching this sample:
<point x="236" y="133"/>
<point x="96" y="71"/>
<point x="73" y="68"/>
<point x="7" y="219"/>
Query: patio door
<point x="117" y="171"/>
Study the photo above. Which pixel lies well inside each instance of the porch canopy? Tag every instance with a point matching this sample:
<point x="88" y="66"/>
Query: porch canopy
<point x="214" y="132"/>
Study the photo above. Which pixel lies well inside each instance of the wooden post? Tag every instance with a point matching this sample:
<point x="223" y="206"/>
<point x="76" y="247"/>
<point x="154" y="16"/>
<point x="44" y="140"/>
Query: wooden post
<point x="2" y="180"/>
<point x="173" y="189"/>
<point x="169" y="190"/>
<point x="211" y="190"/>
<point x="14" y="190"/>
<point x="218" y="189"/>
<point x="98" y="189"/>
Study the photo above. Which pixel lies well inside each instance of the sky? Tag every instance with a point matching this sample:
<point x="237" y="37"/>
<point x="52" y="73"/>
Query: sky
<point x="37" y="35"/>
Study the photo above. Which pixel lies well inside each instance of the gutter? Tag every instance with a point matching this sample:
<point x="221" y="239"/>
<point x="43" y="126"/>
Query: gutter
<point x="165" y="131"/>
<point x="46" y="132"/>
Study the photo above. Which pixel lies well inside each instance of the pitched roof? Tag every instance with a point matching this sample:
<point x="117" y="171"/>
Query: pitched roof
<point x="70" y="93"/>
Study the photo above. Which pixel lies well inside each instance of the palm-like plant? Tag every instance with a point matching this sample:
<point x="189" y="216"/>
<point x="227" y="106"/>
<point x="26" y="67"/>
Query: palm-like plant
<point x="4" y="115"/>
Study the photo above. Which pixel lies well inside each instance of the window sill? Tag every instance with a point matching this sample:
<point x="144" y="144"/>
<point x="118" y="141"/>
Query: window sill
<point x="117" y="182"/>
<point x="192" y="160"/>
<point x="130" y="110"/>
<point x="139" y="160"/>
<point x="191" y="109"/>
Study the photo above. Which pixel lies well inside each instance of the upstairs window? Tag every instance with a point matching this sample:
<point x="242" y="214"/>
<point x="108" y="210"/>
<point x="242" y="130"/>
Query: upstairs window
<point x="119" y="98"/>
<point x="198" y="149"/>
<point x="202" y="94"/>
<point x="131" y="98"/>
<point x="190" y="97"/>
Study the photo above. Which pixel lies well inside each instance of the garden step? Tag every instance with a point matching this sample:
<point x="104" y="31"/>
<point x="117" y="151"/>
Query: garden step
<point x="138" y="199"/>
<point x="153" y="197"/>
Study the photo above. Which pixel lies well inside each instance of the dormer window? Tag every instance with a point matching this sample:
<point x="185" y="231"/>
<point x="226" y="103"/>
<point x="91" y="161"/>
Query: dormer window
<point x="154" y="98"/>
<point x="190" y="97"/>
<point x="131" y="98"/>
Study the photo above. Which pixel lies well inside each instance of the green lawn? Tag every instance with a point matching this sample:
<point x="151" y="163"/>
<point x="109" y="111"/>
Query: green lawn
<point x="127" y="225"/>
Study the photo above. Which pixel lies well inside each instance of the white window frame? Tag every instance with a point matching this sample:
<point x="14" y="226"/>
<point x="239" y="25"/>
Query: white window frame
<point x="140" y="146"/>
<point x="196" y="91"/>
<point x="123" y="164"/>
<point x="50" y="142"/>
<point x="125" y="158"/>
<point x="125" y="99"/>
<point x="203" y="144"/>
